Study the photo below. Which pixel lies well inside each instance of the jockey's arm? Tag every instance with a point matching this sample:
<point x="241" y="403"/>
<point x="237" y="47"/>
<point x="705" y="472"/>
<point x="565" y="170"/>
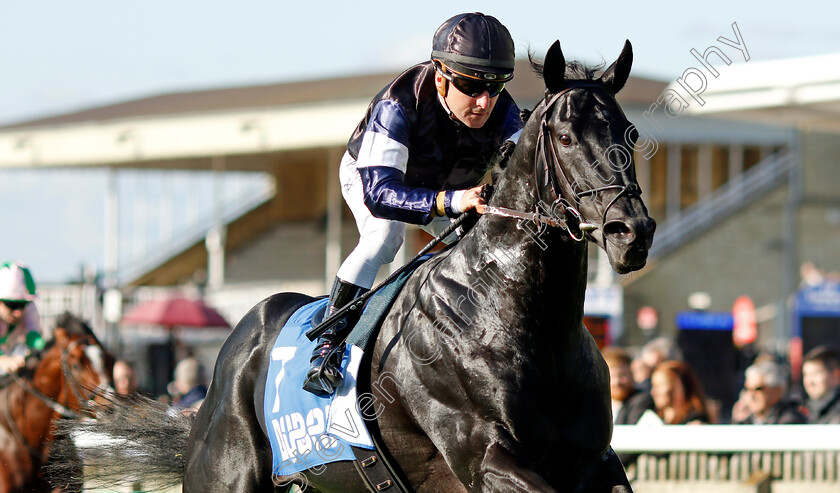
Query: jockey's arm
<point x="382" y="161"/>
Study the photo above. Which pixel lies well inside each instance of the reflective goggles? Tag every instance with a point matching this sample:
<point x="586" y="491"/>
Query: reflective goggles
<point x="14" y="305"/>
<point x="471" y="87"/>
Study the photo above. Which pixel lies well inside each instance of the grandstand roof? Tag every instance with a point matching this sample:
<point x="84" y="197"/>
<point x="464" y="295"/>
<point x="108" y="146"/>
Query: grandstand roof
<point x="525" y="87"/>
<point x="801" y="92"/>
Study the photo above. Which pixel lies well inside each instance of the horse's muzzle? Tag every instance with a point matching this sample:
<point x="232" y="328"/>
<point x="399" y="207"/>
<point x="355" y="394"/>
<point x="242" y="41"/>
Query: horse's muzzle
<point x="627" y="242"/>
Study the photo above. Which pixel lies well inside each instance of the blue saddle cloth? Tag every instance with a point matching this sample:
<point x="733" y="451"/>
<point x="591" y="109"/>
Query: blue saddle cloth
<point x="305" y="430"/>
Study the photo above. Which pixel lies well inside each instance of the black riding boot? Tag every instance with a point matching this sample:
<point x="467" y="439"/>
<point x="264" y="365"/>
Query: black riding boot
<point x="324" y="376"/>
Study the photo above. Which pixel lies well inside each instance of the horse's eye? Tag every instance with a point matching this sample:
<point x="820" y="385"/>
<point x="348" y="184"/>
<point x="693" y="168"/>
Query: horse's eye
<point x="565" y="140"/>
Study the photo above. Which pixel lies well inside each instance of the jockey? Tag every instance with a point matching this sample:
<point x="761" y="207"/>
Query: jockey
<point x="19" y="320"/>
<point x="419" y="156"/>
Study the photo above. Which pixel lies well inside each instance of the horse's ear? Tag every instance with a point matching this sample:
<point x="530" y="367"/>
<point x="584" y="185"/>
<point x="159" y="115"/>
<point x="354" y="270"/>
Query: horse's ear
<point x="616" y="75"/>
<point x="554" y="68"/>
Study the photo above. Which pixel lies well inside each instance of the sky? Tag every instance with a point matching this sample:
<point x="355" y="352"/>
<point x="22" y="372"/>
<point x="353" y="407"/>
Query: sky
<point x="61" y="56"/>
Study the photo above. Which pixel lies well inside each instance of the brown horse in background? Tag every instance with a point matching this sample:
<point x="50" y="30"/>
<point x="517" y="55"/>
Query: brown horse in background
<point x="53" y="385"/>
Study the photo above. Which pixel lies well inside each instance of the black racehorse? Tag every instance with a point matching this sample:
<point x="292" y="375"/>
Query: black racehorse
<point x="483" y="375"/>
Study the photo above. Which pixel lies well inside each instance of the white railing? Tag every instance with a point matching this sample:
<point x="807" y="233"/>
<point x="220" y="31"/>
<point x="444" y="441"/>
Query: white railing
<point x="736" y="458"/>
<point x="726" y="438"/>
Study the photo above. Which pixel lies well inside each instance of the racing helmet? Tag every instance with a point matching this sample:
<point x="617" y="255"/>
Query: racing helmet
<point x="16" y="282"/>
<point x="476" y="46"/>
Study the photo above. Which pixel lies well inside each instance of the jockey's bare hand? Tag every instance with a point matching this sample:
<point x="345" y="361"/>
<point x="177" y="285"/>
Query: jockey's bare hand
<point x="10" y="364"/>
<point x="471" y="198"/>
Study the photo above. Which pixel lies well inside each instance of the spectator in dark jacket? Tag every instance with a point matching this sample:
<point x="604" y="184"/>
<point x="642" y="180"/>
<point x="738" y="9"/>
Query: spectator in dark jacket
<point x="763" y="397"/>
<point x="188" y="389"/>
<point x="628" y="402"/>
<point x="821" y="379"/>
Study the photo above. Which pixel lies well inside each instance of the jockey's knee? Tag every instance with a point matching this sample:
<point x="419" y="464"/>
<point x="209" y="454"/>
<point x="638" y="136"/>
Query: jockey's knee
<point x="384" y="243"/>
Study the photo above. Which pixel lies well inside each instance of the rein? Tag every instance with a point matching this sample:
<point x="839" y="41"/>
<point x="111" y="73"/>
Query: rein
<point x="547" y="156"/>
<point x="49" y="401"/>
<point x="56" y="406"/>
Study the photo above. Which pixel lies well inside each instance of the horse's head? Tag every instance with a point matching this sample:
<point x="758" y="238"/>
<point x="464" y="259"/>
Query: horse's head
<point x="585" y="161"/>
<point x="74" y="364"/>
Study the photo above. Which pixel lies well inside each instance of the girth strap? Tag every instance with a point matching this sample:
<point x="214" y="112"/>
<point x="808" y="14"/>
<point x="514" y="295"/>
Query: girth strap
<point x="377" y="472"/>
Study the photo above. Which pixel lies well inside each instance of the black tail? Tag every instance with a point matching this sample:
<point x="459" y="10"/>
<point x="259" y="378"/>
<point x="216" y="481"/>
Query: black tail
<point x="133" y="440"/>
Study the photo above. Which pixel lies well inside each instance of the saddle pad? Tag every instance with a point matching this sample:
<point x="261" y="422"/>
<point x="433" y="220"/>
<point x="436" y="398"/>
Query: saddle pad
<point x="305" y="430"/>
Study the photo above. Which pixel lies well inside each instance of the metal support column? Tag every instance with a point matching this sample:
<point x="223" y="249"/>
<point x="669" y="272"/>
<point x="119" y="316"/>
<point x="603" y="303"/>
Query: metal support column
<point x="332" y="254"/>
<point x="704" y="171"/>
<point x="217" y="235"/>
<point x="112" y="299"/>
<point x="736" y="162"/>
<point x="790" y="274"/>
<point x="673" y="204"/>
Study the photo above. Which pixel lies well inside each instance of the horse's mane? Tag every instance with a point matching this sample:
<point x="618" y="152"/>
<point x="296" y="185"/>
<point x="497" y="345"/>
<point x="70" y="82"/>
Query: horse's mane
<point x="75" y="327"/>
<point x="575" y="70"/>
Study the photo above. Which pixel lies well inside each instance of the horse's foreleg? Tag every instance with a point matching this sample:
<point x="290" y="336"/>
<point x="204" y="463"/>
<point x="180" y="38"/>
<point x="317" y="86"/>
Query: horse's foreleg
<point x="500" y="471"/>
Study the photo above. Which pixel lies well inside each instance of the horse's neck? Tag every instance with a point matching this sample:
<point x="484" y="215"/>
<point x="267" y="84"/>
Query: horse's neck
<point x="542" y="275"/>
<point x="546" y="270"/>
<point x="29" y="415"/>
<point x="49" y="381"/>
<point x="539" y="275"/>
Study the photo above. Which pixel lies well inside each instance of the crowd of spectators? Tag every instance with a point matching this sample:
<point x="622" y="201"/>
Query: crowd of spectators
<point x="657" y="385"/>
<point x="186" y="392"/>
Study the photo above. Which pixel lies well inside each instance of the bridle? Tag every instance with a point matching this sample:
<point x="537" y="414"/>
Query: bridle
<point x="54" y="405"/>
<point x="562" y="213"/>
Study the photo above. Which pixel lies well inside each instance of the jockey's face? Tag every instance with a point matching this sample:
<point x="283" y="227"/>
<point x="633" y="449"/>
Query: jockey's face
<point x="471" y="111"/>
<point x="11" y="315"/>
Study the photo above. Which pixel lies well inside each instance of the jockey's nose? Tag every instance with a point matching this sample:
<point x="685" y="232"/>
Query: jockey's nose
<point x="483" y="100"/>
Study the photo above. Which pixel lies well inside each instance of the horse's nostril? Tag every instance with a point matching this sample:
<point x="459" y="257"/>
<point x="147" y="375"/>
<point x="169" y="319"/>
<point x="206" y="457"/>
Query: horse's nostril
<point x="617" y="228"/>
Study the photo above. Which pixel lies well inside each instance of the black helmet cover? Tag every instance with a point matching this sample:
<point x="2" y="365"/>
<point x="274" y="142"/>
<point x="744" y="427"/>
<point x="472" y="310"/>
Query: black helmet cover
<point x="475" y="45"/>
